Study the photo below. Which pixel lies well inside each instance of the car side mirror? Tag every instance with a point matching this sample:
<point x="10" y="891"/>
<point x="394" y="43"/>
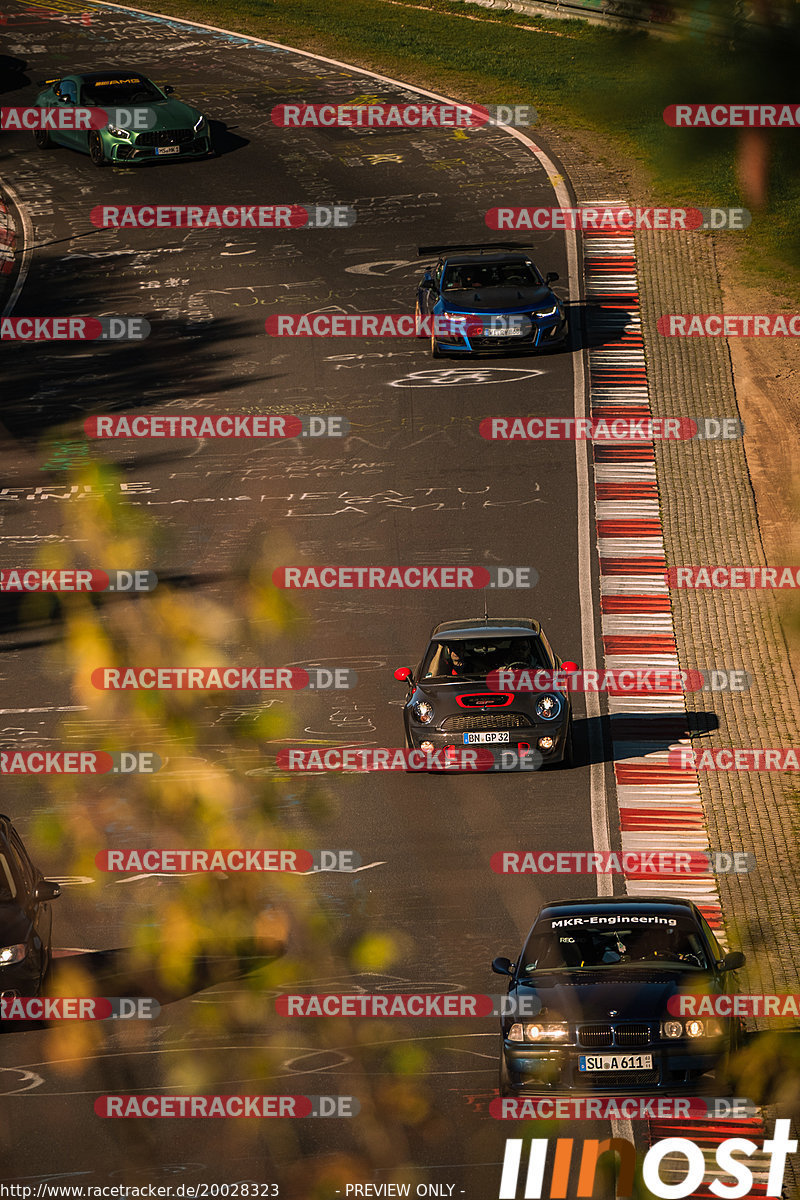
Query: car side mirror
<point x="569" y="667"/>
<point x="47" y="890"/>
<point x="733" y="960"/>
<point x="551" y="277"/>
<point x="404" y="675"/>
<point x="503" y="966"/>
<point x="427" y="279"/>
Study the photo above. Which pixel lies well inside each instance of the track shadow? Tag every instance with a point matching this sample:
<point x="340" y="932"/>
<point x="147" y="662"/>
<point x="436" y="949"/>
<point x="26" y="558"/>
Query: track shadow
<point x="629" y="735"/>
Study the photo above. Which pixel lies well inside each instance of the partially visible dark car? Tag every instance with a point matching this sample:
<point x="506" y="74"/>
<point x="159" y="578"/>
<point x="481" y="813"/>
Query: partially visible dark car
<point x="451" y="704"/>
<point x="25" y="917"/>
<point x="603" y="971"/>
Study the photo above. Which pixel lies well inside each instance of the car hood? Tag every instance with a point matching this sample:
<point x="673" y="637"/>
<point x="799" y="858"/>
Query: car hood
<point x="498" y="299"/>
<point x="592" y="996"/>
<point x="446" y="688"/>
<point x="174" y="114"/>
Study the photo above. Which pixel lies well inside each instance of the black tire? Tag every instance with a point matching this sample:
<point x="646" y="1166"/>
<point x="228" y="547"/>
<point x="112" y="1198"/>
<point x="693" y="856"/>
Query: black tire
<point x="504" y="1083"/>
<point x="435" y="351"/>
<point x="568" y="761"/>
<point x="96" y="151"/>
<point x="43" y="139"/>
<point x="418" y="321"/>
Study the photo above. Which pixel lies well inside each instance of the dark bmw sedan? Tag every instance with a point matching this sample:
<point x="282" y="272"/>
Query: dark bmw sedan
<point x="603" y="971"/>
<point x="450" y="702"/>
<point x="25" y="917"/>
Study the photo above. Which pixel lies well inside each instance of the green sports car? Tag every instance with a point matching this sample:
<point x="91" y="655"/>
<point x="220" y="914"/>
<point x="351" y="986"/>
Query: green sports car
<point x="173" y="129"/>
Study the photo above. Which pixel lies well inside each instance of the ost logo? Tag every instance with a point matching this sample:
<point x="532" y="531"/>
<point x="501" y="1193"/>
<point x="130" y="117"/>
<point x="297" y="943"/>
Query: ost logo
<point x="777" y="1149"/>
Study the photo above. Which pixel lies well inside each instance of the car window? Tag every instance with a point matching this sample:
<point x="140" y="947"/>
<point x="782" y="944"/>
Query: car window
<point x="68" y="90"/>
<point x="8" y="886"/>
<point x="475" y="659"/>
<point x="678" y="946"/>
<point x="21" y="861"/>
<point x="473" y="276"/>
<point x="716" y="949"/>
<point x="122" y="90"/>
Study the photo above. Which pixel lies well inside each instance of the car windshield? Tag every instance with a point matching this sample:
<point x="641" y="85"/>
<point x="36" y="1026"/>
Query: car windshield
<point x="475" y="659"/>
<point x="610" y="941"/>
<point x="119" y="90"/>
<point x="474" y="276"/>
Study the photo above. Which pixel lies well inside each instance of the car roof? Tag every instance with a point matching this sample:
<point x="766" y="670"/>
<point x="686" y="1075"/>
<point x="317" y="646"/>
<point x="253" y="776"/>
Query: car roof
<point x="496" y="626"/>
<point x="502" y="256"/>
<point x="676" y="906"/>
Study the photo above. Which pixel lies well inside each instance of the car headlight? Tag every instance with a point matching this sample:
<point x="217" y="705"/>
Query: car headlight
<point x="548" y="707"/>
<point x="199" y="124"/>
<point x="423" y="711"/>
<point x="693" y="1028"/>
<point x="539" y="1031"/>
<point x="547" y="312"/>
<point x="12" y="954"/>
<point x="119" y="133"/>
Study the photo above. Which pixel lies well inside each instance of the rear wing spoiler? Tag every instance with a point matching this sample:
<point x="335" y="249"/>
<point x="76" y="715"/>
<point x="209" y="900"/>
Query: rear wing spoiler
<point x="428" y="251"/>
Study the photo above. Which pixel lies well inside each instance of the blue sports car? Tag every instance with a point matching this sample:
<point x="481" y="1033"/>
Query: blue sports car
<point x="482" y="299"/>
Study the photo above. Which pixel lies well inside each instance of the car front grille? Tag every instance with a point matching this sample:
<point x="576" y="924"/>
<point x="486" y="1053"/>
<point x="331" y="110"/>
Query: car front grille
<point x="606" y="1080"/>
<point x="595" y="1035"/>
<point x="632" y="1035"/>
<point x="485" y="700"/>
<point x="164" y="137"/>
<point x="486" y="721"/>
<point x="606" y="1034"/>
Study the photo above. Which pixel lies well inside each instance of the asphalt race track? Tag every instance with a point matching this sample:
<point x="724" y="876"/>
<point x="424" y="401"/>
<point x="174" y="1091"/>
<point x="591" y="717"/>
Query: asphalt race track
<point x="413" y="482"/>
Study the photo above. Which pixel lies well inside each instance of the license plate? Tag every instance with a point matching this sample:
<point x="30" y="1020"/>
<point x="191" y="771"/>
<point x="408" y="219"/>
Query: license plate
<point x="615" y="1062"/>
<point x="473" y="739"/>
<point x="500" y="333"/>
<point x="168" y="149"/>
